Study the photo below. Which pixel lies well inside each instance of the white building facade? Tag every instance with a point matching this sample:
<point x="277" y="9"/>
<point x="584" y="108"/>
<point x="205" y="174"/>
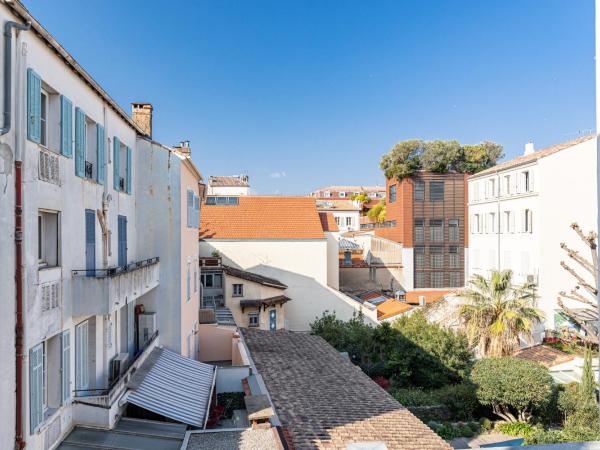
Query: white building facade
<point x="521" y="210"/>
<point x="69" y="157"/>
<point x="345" y="212"/>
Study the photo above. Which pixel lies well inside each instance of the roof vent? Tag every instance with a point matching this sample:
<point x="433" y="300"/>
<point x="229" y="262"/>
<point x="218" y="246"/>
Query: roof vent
<point x="529" y="148"/>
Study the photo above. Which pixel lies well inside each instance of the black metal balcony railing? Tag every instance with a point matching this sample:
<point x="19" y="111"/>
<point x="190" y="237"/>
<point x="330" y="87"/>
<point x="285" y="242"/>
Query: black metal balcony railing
<point x="106" y="391"/>
<point x="89" y="170"/>
<point x="113" y="271"/>
<point x="122" y="184"/>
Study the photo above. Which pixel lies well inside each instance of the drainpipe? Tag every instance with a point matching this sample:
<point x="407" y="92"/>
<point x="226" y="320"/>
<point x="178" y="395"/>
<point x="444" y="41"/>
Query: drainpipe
<point x="8" y="26"/>
<point x="19" y="325"/>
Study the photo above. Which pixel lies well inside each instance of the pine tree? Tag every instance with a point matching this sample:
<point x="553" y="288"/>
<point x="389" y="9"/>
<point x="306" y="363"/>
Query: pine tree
<point x="588" y="385"/>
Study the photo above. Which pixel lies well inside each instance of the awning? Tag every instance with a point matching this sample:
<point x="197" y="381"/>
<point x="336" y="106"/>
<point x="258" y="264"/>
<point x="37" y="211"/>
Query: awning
<point x="174" y="386"/>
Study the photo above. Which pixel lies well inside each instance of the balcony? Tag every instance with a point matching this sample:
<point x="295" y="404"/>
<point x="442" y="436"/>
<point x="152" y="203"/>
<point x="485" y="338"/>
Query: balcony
<point x="102" y="291"/>
<point x="106" y="397"/>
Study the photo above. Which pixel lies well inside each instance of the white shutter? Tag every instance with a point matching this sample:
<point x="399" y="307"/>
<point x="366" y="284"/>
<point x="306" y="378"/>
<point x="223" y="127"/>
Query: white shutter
<point x="81" y="357"/>
<point x="65" y="366"/>
<point x="36" y="386"/>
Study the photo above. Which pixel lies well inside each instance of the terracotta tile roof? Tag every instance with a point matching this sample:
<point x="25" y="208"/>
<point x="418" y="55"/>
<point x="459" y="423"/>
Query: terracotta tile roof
<point x="258" y="217"/>
<point x="533" y="156"/>
<point x="228" y="181"/>
<point x="337" y="205"/>
<point x="326" y="402"/>
<point x="328" y="222"/>
<point x="412" y="297"/>
<point x="251" y="276"/>
<point x="544" y="354"/>
<point x="391" y="308"/>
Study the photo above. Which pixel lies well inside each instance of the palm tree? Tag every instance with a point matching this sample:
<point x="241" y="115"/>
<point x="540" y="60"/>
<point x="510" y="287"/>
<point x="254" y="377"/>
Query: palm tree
<point x="498" y="313"/>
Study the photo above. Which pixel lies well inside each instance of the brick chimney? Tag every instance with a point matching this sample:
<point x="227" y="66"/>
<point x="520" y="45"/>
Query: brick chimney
<point x="141" y="113"/>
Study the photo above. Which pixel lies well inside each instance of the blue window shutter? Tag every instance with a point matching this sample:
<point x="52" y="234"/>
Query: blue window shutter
<point x="36" y="387"/>
<point x="116" y="154"/>
<point x="66" y="126"/>
<point x="65" y="367"/>
<point x="100" y="160"/>
<point x="34" y="104"/>
<point x="129" y="171"/>
<point x="79" y="142"/>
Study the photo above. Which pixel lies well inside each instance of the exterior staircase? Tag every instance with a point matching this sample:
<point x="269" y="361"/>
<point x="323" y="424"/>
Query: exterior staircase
<point x="224" y="316"/>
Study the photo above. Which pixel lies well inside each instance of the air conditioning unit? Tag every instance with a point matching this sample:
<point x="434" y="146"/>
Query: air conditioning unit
<point x="118" y="366"/>
<point x="532" y="278"/>
<point x="146" y="327"/>
<point x="422" y="300"/>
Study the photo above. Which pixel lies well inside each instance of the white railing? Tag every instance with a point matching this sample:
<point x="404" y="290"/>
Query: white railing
<point x="49" y="167"/>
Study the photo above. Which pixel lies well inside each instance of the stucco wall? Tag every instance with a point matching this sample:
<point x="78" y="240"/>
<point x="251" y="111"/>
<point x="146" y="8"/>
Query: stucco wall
<point x="215" y="342"/>
<point x="300" y="264"/>
<point x="333" y="265"/>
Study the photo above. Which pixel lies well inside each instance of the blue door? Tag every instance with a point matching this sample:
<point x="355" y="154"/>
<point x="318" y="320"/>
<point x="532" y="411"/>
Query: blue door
<point x="273" y="319"/>
<point x="90" y="242"/>
<point x="122" y="241"/>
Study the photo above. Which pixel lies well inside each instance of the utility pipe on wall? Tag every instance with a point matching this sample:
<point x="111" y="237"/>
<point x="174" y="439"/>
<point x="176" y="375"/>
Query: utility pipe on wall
<point x="19" y="325"/>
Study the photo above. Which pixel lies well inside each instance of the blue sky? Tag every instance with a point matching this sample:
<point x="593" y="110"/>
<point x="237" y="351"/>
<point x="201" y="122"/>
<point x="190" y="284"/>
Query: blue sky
<point x="300" y="94"/>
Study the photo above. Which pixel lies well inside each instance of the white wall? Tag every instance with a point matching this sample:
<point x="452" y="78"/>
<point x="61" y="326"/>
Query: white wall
<point x="300" y="264"/>
<point x="342" y="216"/>
<point x="563" y="192"/>
<point x="333" y="260"/>
<point x="228" y="190"/>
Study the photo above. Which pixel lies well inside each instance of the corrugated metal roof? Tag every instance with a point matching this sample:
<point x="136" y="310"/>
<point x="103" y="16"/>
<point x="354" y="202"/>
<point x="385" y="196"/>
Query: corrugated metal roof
<point x="174" y="386"/>
<point x="345" y="244"/>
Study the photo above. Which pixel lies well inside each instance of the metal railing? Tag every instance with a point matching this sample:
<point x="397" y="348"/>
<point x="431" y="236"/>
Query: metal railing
<point x="116" y="270"/>
<point x="89" y="169"/>
<point x="370" y="226"/>
<point x="106" y="396"/>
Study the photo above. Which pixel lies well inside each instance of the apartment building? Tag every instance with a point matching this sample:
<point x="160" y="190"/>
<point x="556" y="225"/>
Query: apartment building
<point x="346" y="213"/>
<point x="427" y="213"/>
<point x="521" y="210"/>
<point x="281" y="238"/>
<point x="346" y="192"/>
<point x="83" y="303"/>
<point x="168" y="181"/>
<point x="231" y="185"/>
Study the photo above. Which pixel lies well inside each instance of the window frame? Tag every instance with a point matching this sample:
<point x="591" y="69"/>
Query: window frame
<point x="393" y="192"/>
<point x="44" y="110"/>
<point x="237" y="290"/>
<point x="434" y="193"/>
<point x="251" y="316"/>
<point x="419" y="191"/>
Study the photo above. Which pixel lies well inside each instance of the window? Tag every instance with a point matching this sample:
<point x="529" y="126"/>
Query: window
<point x="48" y="238"/>
<point x="195" y="276"/>
<point x="506" y="185"/>
<point x="338" y="221"/>
<point x="392" y="198"/>
<point x="419" y="230"/>
<point x="509" y="222"/>
<point x="91" y="148"/>
<point x="327" y="194"/>
<point x="238" y="290"/>
<point x="453" y="257"/>
<point x="349" y="221"/>
<point x="436" y="257"/>
<point x="253" y="319"/>
<point x="453" y="231"/>
<point x="526" y="181"/>
<point x="491" y="223"/>
<point x="491" y="188"/>
<point x="454" y="279"/>
<point x="437" y="279"/>
<point x="44" y="118"/>
<point x="527" y="221"/>
<point x="211" y="280"/>
<point x="122" y="166"/>
<point x="419" y="257"/>
<point x="436" y="230"/>
<point x="221" y="200"/>
<point x="342" y="194"/>
<point x="420" y="279"/>
<point x="419" y="191"/>
<point x="436" y="191"/>
<point x="187" y="285"/>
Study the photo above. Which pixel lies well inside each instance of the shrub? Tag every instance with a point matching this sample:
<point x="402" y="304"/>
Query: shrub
<point x="449" y="431"/>
<point x="512" y="387"/>
<point x="518" y="429"/>
<point x="460" y="399"/>
<point x="415" y="397"/>
<point x="486" y="424"/>
<point x="230" y="401"/>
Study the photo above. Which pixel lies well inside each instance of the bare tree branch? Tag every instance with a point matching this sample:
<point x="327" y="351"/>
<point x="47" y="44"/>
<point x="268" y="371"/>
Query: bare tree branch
<point x="587" y="265"/>
<point x="592" y="333"/>
<point x="588" y="287"/>
<point x="574" y="295"/>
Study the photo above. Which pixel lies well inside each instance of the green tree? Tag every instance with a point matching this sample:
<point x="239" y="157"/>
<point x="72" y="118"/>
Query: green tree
<point x="440" y="156"/>
<point x="512" y="387"/>
<point x="378" y="211"/>
<point x="498" y="313"/>
<point x="587" y="387"/>
<point x="407" y="157"/>
<point x="403" y="160"/>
